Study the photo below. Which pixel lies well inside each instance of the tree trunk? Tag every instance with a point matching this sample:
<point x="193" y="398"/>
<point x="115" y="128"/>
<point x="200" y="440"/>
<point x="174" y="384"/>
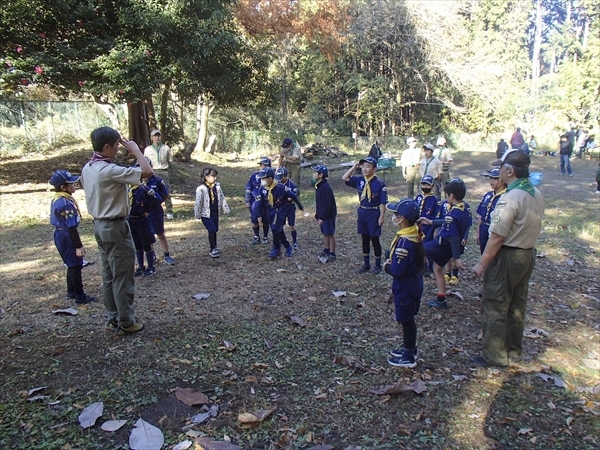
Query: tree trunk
<point x="210" y="148"/>
<point x="164" y="105"/>
<point x="201" y="121"/>
<point x="537" y="42"/>
<point x="151" y="113"/>
<point x="138" y="124"/>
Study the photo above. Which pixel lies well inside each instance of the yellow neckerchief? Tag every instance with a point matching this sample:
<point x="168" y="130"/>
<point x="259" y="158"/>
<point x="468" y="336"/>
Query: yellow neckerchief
<point x="366" y="193"/>
<point x="489" y="205"/>
<point x="411" y="233"/>
<point x="423" y="202"/>
<point x="270" y="190"/>
<point x="458" y="205"/>
<point x="68" y="196"/>
<point x="210" y="190"/>
<point x="157" y="149"/>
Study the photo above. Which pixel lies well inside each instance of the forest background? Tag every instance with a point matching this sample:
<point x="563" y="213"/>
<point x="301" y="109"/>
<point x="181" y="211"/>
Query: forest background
<point x="240" y="75"/>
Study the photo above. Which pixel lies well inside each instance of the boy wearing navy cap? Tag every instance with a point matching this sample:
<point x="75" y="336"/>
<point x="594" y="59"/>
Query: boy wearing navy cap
<point x="252" y="194"/>
<point x="65" y="217"/>
<point x="449" y="244"/>
<point x="406" y="263"/>
<point x="372" y="195"/>
<point x="274" y="198"/>
<point x="428" y="208"/>
<point x="282" y="176"/>
<point x="326" y="212"/>
<point x="486" y="207"/>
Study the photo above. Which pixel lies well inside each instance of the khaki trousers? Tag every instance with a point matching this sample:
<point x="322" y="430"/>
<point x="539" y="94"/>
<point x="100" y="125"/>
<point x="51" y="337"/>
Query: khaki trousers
<point x="164" y="174"/>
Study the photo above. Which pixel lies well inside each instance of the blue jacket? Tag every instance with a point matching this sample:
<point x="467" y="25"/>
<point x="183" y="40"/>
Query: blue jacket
<point x="143" y="199"/>
<point x="326" y="208"/>
<point x="253" y="187"/>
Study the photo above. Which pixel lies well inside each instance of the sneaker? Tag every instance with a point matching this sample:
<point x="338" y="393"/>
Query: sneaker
<point x="453" y="281"/>
<point x="169" y="216"/>
<point x="265" y="240"/>
<point x="400" y="351"/>
<point x="405" y="360"/>
<point x="289" y="252"/>
<point x="436" y="304"/>
<point x="214" y="253"/>
<point x="274" y="253"/>
<point x="256" y="240"/>
<point x="139" y="271"/>
<point x="376" y="270"/>
<point x="331" y="258"/>
<point x="135" y="328"/>
<point x="322" y="257"/>
<point x="447" y="277"/>
<point x="570" y="174"/>
<point x="85" y="300"/>
<point x="596" y="191"/>
<point x="364" y="268"/>
<point x="149" y="272"/>
<point x="295" y="246"/>
<point x="170" y="261"/>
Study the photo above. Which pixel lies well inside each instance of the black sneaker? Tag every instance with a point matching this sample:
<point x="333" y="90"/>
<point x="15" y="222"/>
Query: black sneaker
<point x="436" y="304"/>
<point x="85" y="300"/>
<point x="139" y="271"/>
<point x="364" y="268"/>
<point x="149" y="272"/>
<point x="406" y="360"/>
<point x="400" y="351"/>
<point x="376" y="270"/>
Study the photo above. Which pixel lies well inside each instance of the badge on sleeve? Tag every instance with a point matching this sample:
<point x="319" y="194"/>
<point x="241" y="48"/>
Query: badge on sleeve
<point x="401" y="253"/>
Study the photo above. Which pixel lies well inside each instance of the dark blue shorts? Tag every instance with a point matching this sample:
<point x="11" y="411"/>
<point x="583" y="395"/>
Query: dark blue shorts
<point x="368" y="222"/>
<point x="440" y="254"/>
<point x="66" y="249"/>
<point x="211" y="223"/>
<point x="157" y="220"/>
<point x="262" y="213"/>
<point x="290" y="215"/>
<point x="328" y="227"/>
<point x="141" y="232"/>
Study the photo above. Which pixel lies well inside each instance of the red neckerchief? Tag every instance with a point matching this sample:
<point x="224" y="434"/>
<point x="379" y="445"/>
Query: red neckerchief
<point x="98" y="157"/>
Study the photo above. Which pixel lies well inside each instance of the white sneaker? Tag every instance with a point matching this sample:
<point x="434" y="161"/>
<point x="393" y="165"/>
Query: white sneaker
<point x="169" y="216"/>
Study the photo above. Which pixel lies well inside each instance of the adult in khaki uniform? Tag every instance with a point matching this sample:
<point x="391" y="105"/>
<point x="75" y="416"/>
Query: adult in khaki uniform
<point x="444" y="154"/>
<point x="508" y="260"/>
<point x="410" y="161"/>
<point x="161" y="158"/>
<point x="430" y="165"/>
<point x="290" y="157"/>
<point x="105" y="186"/>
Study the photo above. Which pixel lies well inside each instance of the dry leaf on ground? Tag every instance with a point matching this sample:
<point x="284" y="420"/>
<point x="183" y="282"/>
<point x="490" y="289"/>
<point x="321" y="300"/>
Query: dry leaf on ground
<point x="90" y="414"/>
<point x="298" y="321"/>
<point x="69" y="311"/>
<point x="249" y="420"/>
<point x="208" y="444"/>
<point x="417" y="386"/>
<point x="200" y="296"/>
<point x="190" y="396"/>
<point x="145" y="436"/>
<point x="113" y="425"/>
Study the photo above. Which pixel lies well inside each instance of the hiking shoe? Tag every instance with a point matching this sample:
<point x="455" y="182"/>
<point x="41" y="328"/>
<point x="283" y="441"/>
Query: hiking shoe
<point x="406" y="360"/>
<point x="135" y="328"/>
<point x="149" y="272"/>
<point x="289" y="252"/>
<point x="453" y="281"/>
<point x="274" y="253"/>
<point x="446" y="277"/>
<point x="169" y="216"/>
<point x="170" y="261"/>
<point x="265" y="240"/>
<point x="85" y="300"/>
<point x="139" y="271"/>
<point x="481" y="362"/>
<point x="323" y="257"/>
<point x="398" y="353"/>
<point x="436" y="304"/>
<point x="112" y="323"/>
<point x="364" y="268"/>
<point x="295" y="246"/>
<point x="376" y="270"/>
<point x="256" y="240"/>
<point x="214" y="253"/>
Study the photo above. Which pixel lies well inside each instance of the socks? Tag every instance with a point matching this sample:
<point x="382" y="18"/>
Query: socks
<point x="366" y="260"/>
<point x="455" y="272"/>
<point x="294" y="235"/>
<point x="441" y="298"/>
<point x="326" y="251"/>
<point x="378" y="261"/>
<point x="150" y="259"/>
<point x="139" y="256"/>
<point x="265" y="230"/>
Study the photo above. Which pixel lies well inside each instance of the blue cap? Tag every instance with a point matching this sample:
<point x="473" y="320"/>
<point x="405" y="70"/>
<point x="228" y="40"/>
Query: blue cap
<point x="61" y="177"/>
<point x="267" y="172"/>
<point x="406" y="208"/>
<point x="322" y="170"/>
<point x="370" y="160"/>
<point x="287" y="142"/>
<point x="427" y="179"/>
<point x="265" y="161"/>
<point x="494" y="173"/>
<point x="280" y="173"/>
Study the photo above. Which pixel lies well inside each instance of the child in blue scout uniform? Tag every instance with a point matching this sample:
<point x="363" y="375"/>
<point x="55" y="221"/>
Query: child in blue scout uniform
<point x="372" y="195"/>
<point x="65" y="217"/>
<point x="274" y="197"/>
<point x="157" y="214"/>
<point x="486" y="207"/>
<point x="406" y="264"/>
<point x="143" y="200"/>
<point x="448" y="246"/>
<point x="253" y="188"/>
<point x="325" y="212"/>
<point x="209" y="199"/>
<point x="282" y="177"/>
<point x="428" y="208"/>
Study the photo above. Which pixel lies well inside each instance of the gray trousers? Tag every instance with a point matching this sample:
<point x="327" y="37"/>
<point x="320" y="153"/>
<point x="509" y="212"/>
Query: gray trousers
<point x="164" y="174"/>
<point x="503" y="304"/>
<point x="117" y="254"/>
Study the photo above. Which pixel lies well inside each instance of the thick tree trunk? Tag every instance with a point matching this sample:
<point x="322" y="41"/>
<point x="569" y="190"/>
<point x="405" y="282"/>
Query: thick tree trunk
<point x="138" y="124"/>
<point x="537" y="42"/>
<point x="202" y="108"/>
<point x="150" y="113"/>
<point x="164" y="105"/>
<point x="210" y="148"/>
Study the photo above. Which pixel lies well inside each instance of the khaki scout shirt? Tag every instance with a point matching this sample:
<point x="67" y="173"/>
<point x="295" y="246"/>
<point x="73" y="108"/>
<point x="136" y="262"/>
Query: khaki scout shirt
<point x="105" y="186"/>
<point x="293" y="154"/>
<point x="431" y="166"/>
<point x="518" y="217"/>
<point x="160" y="157"/>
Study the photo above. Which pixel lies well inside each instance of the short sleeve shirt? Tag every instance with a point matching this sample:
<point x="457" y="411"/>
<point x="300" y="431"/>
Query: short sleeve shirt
<point x="160" y="157"/>
<point x="431" y="167"/>
<point x="378" y="191"/>
<point x="518" y="217"/>
<point x="105" y="186"/>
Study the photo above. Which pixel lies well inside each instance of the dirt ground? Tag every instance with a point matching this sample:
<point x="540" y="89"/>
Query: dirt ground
<point x="273" y="335"/>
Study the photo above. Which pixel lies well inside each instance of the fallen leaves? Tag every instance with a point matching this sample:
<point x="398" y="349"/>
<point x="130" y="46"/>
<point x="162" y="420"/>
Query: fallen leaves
<point x="558" y="381"/>
<point x="417" y="386"/>
<point x="200" y="296"/>
<point x="90" y="414"/>
<point x="68" y="311"/>
<point x="191" y="397"/>
<point x="145" y="436"/>
<point x="298" y="321"/>
<point x="208" y="444"/>
<point x="112" y="425"/>
<point x="250" y="420"/>
<point x="228" y="346"/>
